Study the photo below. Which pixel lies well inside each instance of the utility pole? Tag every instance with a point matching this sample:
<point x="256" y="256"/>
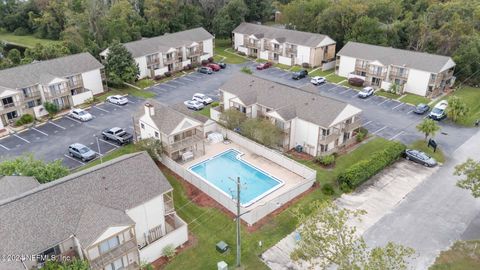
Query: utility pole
<point x="98" y="146"/>
<point x="239" y="245"/>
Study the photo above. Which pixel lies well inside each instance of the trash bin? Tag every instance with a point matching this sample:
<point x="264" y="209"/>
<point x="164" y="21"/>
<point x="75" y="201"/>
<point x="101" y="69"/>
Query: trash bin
<point x="222" y="247"/>
<point x="299" y="148"/>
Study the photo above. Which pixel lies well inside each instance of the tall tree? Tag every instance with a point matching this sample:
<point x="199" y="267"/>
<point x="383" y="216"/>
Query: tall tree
<point x="428" y="127"/>
<point x="52" y="21"/>
<point x="27" y="165"/>
<point x="14" y="56"/>
<point x="470" y="170"/>
<point x="457" y="108"/>
<point x="120" y="65"/>
<point x="231" y="15"/>
<point x="259" y="10"/>
<point x="232" y="118"/>
<point x="467" y="57"/>
<point x="122" y="22"/>
<point x="326" y="239"/>
<point x="368" y="30"/>
<point x="301" y="15"/>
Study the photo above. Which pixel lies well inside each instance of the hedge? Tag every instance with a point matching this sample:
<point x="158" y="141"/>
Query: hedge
<point x="25" y="119"/>
<point x="365" y="169"/>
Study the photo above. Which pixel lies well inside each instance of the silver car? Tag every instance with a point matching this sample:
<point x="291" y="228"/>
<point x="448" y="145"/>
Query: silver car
<point x="117" y="99"/>
<point x="80" y="114"/>
<point x="194" y="105"/>
<point x="81" y="152"/>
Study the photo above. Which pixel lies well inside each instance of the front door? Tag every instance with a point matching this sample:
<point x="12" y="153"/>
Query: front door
<point x="376" y="81"/>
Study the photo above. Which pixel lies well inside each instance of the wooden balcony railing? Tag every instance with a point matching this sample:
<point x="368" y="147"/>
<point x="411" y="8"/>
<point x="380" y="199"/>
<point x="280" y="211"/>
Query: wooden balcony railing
<point x="184" y="143"/>
<point x="113" y="254"/>
<point x="326" y="139"/>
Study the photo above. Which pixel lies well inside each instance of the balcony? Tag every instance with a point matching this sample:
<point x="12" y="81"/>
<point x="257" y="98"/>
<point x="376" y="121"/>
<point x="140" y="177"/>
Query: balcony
<point x="326" y="139"/>
<point x="153" y="61"/>
<point x="113" y="254"/>
<point x="155" y="235"/>
<point x="63" y="92"/>
<point x="168" y="60"/>
<point x="255" y="45"/>
<point x="184" y="143"/>
<point x="276" y="49"/>
<point x="352" y="126"/>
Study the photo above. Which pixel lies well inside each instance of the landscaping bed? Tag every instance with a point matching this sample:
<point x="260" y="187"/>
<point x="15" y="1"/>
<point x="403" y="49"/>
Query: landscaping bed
<point x="144" y="83"/>
<point x="422" y="146"/>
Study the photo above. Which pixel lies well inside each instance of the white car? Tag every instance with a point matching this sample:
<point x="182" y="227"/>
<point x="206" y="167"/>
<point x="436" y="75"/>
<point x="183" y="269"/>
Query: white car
<point x="366" y="92"/>
<point x="117" y="99"/>
<point x="194" y="105"/>
<point x="202" y="98"/>
<point x="80" y="114"/>
<point x="317" y="80"/>
<point x="439" y="111"/>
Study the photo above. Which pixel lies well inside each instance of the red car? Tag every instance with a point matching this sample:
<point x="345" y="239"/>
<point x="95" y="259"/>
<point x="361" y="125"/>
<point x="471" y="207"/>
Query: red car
<point x="214" y="67"/>
<point x="264" y="65"/>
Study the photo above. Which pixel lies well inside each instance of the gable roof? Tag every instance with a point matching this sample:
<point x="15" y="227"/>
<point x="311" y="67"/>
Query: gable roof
<point x="45" y="71"/>
<point x="289" y="102"/>
<point x="45" y="216"/>
<point x="11" y="186"/>
<point x="166" y="118"/>
<point x="391" y="56"/>
<point x="162" y="43"/>
<point x="279" y="34"/>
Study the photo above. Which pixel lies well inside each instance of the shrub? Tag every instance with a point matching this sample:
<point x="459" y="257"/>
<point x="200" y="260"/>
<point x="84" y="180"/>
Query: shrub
<point x="362" y="134"/>
<point x="326" y="160"/>
<point x="21" y="31"/>
<point x="246" y="70"/>
<point x="204" y="62"/>
<point x="167" y="74"/>
<point x="305" y="65"/>
<point x="169" y="251"/>
<point x="327" y="189"/>
<point x="210" y="59"/>
<point x="242" y="53"/>
<point x="215" y="104"/>
<point x="25" y="119"/>
<point x="188" y="67"/>
<point x="158" y="77"/>
<point x="365" y="169"/>
<point x="355" y="81"/>
<point x="51" y="108"/>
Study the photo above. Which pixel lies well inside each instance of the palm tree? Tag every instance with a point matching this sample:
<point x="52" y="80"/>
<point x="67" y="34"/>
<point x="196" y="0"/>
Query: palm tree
<point x="428" y="127"/>
<point x="456" y="108"/>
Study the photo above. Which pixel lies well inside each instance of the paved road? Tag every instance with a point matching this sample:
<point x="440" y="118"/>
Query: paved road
<point x="435" y="214"/>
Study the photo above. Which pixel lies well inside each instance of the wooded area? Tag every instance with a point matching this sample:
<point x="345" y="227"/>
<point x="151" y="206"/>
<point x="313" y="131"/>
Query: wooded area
<point x="435" y="26"/>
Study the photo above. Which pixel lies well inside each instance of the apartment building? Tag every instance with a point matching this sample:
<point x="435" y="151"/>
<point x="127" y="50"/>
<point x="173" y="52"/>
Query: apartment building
<point x="413" y="72"/>
<point x="65" y="81"/>
<point x="318" y="124"/>
<point x="179" y="130"/>
<point x="170" y="52"/>
<point x="114" y="215"/>
<point x="288" y="47"/>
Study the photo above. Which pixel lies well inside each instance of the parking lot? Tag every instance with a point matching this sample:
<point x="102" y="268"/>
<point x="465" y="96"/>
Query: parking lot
<point x="50" y="140"/>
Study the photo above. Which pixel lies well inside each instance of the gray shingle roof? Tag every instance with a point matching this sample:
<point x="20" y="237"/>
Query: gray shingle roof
<point x="192" y="114"/>
<point x="162" y="43"/>
<point x="391" y="56"/>
<point x="166" y="118"/>
<point x="34" y="73"/>
<point x="43" y="217"/>
<point x="11" y="186"/>
<point x="289" y="102"/>
<point x="290" y="36"/>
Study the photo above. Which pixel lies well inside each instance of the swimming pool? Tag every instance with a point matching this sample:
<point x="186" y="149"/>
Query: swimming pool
<point x="219" y="171"/>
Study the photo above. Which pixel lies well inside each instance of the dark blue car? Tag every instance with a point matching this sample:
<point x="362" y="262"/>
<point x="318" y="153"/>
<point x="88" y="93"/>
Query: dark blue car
<point x="421" y="108"/>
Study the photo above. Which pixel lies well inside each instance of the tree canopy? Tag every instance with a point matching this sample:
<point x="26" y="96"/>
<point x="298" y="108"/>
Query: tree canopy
<point x="470" y="170"/>
<point x="428" y="127"/>
<point x="120" y="65"/>
<point x="27" y="165"/>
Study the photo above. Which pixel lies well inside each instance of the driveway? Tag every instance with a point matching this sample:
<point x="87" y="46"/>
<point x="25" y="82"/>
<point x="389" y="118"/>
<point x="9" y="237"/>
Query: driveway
<point x="435" y="214"/>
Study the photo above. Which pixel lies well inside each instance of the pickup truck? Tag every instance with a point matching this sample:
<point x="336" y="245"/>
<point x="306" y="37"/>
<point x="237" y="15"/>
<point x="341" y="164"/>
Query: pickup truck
<point x="117" y="135"/>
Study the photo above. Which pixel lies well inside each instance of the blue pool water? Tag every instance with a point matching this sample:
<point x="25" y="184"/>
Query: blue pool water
<point x="218" y="170"/>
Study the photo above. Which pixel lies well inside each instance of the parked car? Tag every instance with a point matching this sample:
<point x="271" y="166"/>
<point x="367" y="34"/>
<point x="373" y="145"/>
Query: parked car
<point x="439" y="111"/>
<point x="222" y="65"/>
<point x="366" y="92"/>
<point x="194" y="105"/>
<point x="118" y="135"/>
<point x="420" y="157"/>
<point x="202" y="98"/>
<point x="214" y="67"/>
<point x="80" y="114"/>
<point x="317" y="80"/>
<point x="264" y="65"/>
<point x="421" y="108"/>
<point x="80" y="151"/>
<point x="205" y="70"/>
<point x="299" y="75"/>
<point x="117" y="99"/>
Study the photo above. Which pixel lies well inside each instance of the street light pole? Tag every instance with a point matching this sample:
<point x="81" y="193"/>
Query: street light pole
<point x="98" y="146"/>
<point x="238" y="223"/>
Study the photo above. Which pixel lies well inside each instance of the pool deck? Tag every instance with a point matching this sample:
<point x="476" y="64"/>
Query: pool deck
<point x="289" y="178"/>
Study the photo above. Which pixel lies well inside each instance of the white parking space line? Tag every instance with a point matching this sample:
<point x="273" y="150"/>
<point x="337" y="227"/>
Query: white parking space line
<point x="331" y="88"/>
<point x="367" y="123"/>
<point x="386" y="100"/>
<point x="39" y="131"/>
<point x="344" y="92"/>
<point x="356" y="94"/>
<point x="131" y="101"/>
<point x="4" y="147"/>
<point x="57" y="125"/>
<point x="165" y="84"/>
<point x="74" y="120"/>
<point x="398" y="106"/>
<point x="379" y="130"/>
<point x="69" y="157"/>
<point x="177" y="81"/>
<point x="96" y="107"/>
<point x="109" y="143"/>
<point x="184" y="78"/>
<point x="398" y="134"/>
<point x="409" y="112"/>
<point x="23" y="139"/>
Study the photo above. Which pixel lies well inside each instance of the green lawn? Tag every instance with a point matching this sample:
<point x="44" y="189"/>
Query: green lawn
<point x="463" y="255"/>
<point x="144" y="83"/>
<point x="223" y="49"/>
<point x="334" y="78"/>
<point x="414" y="99"/>
<point x="344" y="161"/>
<point x="28" y="41"/>
<point x="422" y="146"/>
<point x="127" y="149"/>
<point x="386" y="94"/>
<point x="205" y="111"/>
<point x="258" y="60"/>
<point x="345" y="83"/>
<point x="298" y="68"/>
<point x="282" y="66"/>
<point x="321" y="73"/>
<point x="471" y="96"/>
